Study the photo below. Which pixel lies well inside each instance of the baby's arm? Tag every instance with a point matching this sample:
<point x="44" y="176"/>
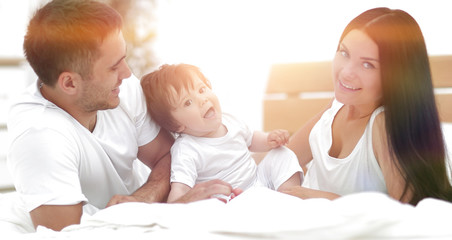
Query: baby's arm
<point x="177" y="190"/>
<point x="263" y="141"/>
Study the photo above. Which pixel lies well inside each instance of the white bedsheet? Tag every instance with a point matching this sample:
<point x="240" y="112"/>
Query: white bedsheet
<point x="258" y="213"/>
<point x="262" y="213"/>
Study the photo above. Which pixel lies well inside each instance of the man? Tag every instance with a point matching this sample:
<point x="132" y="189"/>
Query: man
<point x="76" y="133"/>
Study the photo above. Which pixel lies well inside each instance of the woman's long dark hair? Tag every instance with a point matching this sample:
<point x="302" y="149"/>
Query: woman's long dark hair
<point x="412" y="123"/>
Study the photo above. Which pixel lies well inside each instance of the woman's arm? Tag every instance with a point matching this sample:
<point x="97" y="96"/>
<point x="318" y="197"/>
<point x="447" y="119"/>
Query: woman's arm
<point x="299" y="141"/>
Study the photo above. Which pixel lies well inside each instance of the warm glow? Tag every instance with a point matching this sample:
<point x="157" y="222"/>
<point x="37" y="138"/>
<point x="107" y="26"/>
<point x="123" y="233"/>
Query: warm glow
<point x="234" y="42"/>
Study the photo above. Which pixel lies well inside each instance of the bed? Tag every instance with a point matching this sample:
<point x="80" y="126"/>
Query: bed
<point x="296" y="91"/>
<point x="261" y="213"/>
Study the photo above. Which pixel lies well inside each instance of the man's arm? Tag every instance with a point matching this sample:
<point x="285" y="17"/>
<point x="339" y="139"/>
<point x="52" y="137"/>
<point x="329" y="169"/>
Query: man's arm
<point x="156" y="155"/>
<point x="56" y="217"/>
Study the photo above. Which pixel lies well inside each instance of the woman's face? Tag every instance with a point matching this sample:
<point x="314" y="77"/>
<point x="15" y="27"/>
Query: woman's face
<point x="356" y="71"/>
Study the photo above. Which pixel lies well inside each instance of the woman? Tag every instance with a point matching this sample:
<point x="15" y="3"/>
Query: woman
<point x="381" y="132"/>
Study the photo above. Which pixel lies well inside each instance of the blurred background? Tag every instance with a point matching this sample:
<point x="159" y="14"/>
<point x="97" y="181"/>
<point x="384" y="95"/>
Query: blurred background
<point x="234" y="42"/>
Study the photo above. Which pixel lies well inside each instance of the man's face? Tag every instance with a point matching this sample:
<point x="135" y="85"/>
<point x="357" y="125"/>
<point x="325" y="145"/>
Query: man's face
<point x="100" y="91"/>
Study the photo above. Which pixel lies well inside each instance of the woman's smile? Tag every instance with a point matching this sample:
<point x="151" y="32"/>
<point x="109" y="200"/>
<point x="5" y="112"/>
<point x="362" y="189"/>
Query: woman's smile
<point x="347" y="86"/>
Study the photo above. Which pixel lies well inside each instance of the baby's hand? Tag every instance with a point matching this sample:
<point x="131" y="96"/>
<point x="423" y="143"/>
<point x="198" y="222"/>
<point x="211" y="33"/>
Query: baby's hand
<point x="277" y="138"/>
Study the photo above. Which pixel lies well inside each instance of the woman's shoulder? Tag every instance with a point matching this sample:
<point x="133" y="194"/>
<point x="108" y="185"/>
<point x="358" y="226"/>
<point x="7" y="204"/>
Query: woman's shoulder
<point x="378" y="120"/>
<point x="379" y="137"/>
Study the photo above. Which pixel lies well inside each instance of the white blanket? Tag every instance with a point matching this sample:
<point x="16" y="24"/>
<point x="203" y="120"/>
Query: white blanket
<point x="262" y="213"/>
<point x="257" y="213"/>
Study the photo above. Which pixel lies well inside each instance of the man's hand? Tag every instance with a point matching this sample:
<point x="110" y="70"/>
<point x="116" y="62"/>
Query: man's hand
<point x="116" y="199"/>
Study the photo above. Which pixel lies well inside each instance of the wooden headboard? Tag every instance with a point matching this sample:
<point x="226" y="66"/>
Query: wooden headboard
<point x="297" y="91"/>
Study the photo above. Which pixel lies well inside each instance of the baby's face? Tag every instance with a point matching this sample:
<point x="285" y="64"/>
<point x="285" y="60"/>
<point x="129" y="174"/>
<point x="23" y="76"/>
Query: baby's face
<point x="198" y="110"/>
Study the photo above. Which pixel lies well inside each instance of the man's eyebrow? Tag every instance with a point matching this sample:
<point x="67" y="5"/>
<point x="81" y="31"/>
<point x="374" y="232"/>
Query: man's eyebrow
<point x="343" y="45"/>
<point x="122" y="58"/>
<point x="119" y="61"/>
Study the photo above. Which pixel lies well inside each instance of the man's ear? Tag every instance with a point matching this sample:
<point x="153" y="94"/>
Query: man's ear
<point x="68" y="82"/>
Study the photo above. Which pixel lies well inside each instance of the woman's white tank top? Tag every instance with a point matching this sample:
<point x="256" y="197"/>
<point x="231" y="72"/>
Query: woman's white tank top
<point x="357" y="172"/>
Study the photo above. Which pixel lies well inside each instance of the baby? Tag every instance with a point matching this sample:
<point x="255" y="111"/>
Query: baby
<point x="211" y="144"/>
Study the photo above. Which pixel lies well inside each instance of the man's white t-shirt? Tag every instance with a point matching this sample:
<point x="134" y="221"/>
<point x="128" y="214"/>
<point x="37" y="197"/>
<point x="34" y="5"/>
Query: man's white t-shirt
<point x="54" y="160"/>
